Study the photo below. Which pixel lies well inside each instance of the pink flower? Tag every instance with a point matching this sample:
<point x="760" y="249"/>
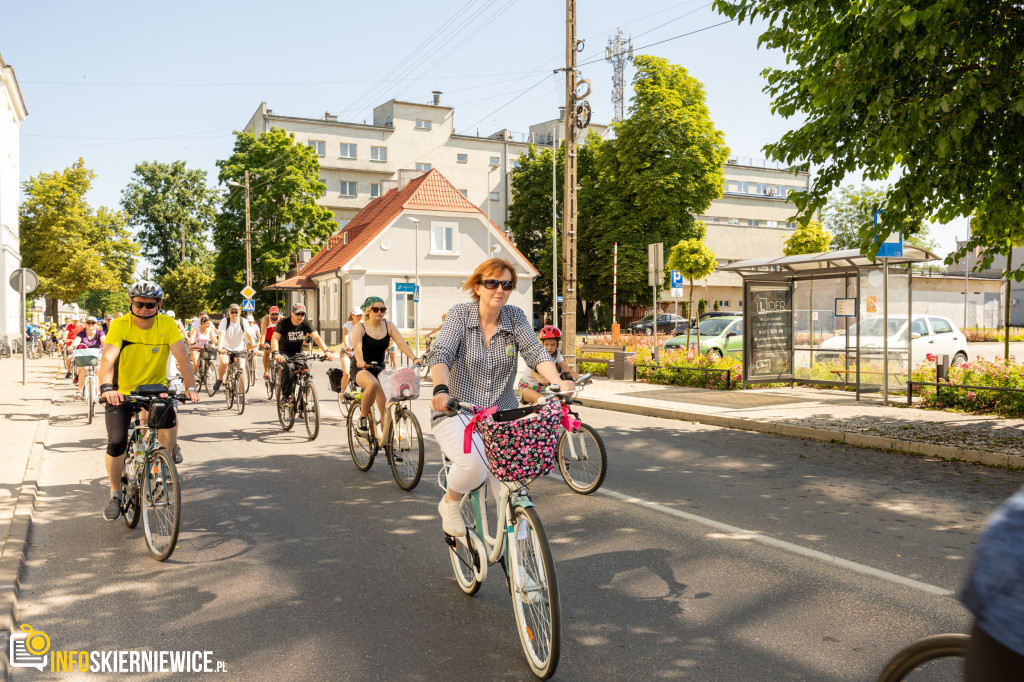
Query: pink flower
<point x="930" y="357"/>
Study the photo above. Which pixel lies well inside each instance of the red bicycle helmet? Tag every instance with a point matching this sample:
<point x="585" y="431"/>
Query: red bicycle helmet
<point x="550" y="332"/>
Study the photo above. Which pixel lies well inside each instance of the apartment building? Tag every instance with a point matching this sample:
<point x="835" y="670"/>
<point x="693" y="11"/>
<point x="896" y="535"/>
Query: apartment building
<point x="12" y="113"/>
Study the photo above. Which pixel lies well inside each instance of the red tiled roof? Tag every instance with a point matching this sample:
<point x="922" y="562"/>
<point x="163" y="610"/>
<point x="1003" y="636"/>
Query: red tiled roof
<point x="431" y="191"/>
<point x="296" y="282"/>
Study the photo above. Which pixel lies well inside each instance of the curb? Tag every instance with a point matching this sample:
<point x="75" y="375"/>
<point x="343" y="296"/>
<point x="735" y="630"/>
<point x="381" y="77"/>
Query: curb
<point x="909" y="447"/>
<point x="15" y="549"/>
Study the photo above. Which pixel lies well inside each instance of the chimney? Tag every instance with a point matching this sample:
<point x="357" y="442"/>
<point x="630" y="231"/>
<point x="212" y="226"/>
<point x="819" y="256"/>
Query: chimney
<point x="437" y="97"/>
<point x="304" y="255"/>
<point x="561" y="113"/>
<point x="328" y="116"/>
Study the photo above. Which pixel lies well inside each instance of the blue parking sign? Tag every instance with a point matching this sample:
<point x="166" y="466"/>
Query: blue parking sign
<point x="677" y="279"/>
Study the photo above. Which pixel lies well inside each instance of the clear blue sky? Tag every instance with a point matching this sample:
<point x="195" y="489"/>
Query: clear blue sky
<point x="122" y="82"/>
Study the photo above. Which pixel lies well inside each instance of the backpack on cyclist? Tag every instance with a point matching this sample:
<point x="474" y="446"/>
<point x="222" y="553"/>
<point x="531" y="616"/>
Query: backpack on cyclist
<point x="334" y="376"/>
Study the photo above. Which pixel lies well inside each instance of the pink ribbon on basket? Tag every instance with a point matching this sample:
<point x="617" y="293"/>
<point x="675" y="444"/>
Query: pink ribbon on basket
<point x="568" y="423"/>
<point x="467" y="441"/>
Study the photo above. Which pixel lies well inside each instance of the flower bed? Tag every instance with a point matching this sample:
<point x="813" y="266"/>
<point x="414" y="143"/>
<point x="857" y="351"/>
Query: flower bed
<point x="980" y="373"/>
<point x="688" y="358"/>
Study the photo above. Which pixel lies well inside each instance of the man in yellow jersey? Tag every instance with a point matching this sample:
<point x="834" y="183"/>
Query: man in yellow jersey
<point x="135" y="353"/>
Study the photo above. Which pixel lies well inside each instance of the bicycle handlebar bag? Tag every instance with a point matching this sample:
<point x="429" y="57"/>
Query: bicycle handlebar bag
<point x="211" y="351"/>
<point x="400" y="383"/>
<point x="87" y="357"/>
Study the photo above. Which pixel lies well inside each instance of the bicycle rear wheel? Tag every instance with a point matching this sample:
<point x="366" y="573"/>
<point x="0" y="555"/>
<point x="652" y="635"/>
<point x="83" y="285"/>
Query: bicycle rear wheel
<point x="362" y="448"/>
<point x="923" y="660"/>
<point x="311" y="410"/>
<point x="582" y="459"/>
<point x="467" y="554"/>
<point x="405" y="447"/>
<point x="161" y="503"/>
<point x="535" y="593"/>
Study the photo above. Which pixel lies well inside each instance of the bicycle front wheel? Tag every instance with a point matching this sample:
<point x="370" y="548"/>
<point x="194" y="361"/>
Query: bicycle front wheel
<point x="311" y="410"/>
<point x="231" y="381"/>
<point x="582" y="459"/>
<point x="928" y="659"/>
<point x="211" y="379"/>
<point x="269" y="381"/>
<point x="130" y="488"/>
<point x="285" y="412"/>
<point x="161" y="503"/>
<point x="405" y="444"/>
<point x="251" y="373"/>
<point x="362" y="448"/>
<point x="240" y="393"/>
<point x="535" y="593"/>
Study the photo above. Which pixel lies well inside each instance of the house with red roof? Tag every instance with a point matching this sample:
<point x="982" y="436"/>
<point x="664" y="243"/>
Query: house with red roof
<point x="425" y="224"/>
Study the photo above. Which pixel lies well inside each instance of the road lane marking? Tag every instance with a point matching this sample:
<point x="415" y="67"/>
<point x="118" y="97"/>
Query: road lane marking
<point x="740" y="533"/>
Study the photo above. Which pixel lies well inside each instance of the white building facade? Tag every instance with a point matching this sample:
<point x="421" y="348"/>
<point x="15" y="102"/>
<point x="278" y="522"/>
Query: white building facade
<point x="12" y="113"/>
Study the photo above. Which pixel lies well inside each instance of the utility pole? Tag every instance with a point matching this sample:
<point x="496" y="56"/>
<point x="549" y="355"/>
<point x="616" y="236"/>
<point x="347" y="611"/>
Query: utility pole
<point x="248" y="229"/>
<point x="182" y="242"/>
<point x="618" y="52"/>
<point x="554" y="224"/>
<point x="577" y="117"/>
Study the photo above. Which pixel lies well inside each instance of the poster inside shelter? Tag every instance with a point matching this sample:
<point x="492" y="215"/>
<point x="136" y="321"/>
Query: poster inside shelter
<point x="771" y="330"/>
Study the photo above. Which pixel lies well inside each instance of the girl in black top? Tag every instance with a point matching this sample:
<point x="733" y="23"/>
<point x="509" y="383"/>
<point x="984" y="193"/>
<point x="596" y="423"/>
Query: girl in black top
<point x="371" y="339"/>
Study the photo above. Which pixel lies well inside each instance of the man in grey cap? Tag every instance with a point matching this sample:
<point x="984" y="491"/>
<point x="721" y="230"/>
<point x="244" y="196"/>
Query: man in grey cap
<point x="286" y="343"/>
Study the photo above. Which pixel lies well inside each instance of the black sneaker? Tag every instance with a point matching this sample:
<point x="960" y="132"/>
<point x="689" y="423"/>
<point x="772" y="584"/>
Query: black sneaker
<point x="113" y="509"/>
<point x="68" y="375"/>
<point x="363" y="429"/>
<point x="217" y="384"/>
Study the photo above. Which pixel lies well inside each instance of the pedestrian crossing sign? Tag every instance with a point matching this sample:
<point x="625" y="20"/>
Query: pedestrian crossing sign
<point x="249" y="305"/>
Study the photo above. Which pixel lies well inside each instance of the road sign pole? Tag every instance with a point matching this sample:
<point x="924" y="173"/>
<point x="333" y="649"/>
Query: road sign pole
<point x="24" y="334"/>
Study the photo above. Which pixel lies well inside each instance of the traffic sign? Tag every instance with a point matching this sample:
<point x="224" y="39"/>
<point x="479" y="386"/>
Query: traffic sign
<point x="677" y="280"/>
<point x="249" y="305"/>
<point x="677" y="292"/>
<point x="655" y="264"/>
<point x="248" y="292"/>
<point x="559" y="299"/>
<point x="26" y="277"/>
<point x="892" y="247"/>
<point x="405" y="288"/>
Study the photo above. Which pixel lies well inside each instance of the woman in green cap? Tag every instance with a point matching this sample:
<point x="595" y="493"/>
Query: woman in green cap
<point x="370" y="340"/>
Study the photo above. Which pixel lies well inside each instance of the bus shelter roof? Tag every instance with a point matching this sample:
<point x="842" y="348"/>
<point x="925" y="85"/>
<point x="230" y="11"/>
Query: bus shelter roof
<point x="809" y="263"/>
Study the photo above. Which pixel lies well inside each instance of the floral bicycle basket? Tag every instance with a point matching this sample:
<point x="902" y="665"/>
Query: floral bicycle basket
<point x="520" y="444"/>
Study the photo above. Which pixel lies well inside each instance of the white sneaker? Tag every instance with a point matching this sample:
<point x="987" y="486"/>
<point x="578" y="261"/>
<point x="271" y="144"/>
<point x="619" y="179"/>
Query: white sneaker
<point x="451" y="518"/>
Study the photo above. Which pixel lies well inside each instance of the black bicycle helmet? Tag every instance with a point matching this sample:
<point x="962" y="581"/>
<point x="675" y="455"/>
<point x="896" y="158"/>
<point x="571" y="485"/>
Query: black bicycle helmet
<point x="146" y="289"/>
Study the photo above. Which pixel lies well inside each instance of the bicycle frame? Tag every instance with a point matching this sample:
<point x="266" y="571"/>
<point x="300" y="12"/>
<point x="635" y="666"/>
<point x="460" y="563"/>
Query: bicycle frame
<point x="508" y="500"/>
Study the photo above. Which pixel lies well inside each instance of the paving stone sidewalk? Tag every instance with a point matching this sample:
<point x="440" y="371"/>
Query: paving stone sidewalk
<point x="827" y="415"/>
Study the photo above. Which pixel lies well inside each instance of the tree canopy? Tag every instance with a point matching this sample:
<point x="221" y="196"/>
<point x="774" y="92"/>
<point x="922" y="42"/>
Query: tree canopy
<point x="285" y="184"/>
<point x="69" y="245"/>
<point x="187" y="289"/>
<point x="849" y="216"/>
<point x="809" y="238"/>
<point x="164" y="199"/>
<point x="694" y="260"/>
<point x="931" y="90"/>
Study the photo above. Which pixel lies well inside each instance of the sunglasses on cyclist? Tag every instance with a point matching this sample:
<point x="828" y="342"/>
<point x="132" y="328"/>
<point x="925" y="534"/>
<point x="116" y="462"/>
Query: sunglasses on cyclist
<point x="505" y="284"/>
<point x="90" y="323"/>
<point x="274" y="316"/>
<point x="299" y="314"/>
<point x="379" y="309"/>
<point x="144" y="306"/>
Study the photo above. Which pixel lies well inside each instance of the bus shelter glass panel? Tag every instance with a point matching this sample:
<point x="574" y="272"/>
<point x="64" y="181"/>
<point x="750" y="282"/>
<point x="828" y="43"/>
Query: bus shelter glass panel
<point x="880" y="334"/>
<point x="819" y="334"/>
<point x="769" y="309"/>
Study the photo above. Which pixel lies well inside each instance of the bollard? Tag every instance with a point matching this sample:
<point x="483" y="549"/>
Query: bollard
<point x="620" y="368"/>
<point x="615" y="333"/>
<point x="941" y="368"/>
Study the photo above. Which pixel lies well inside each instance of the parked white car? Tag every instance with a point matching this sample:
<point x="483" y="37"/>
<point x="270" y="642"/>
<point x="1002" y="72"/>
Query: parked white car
<point x="932" y="334"/>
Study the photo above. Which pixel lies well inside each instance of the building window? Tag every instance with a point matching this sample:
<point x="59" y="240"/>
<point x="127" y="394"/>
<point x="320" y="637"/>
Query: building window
<point x="378" y="153"/>
<point x="462" y="158"/>
<point x="772" y="223"/>
<point x="334" y="301"/>
<point x="347" y="151"/>
<point x="344" y="237"/>
<point x="723" y="304"/>
<point x="791" y="226"/>
<point x="495" y="160"/>
<point x="319" y="145"/>
<point x="734" y="221"/>
<point x="404" y="310"/>
<point x="422" y="125"/>
<point x="443" y="237"/>
<point x="515" y="163"/>
<point x="323" y="299"/>
<point x="374" y="189"/>
<point x="348" y="189"/>
<point x="464" y="192"/>
<point x="751" y="223"/>
<point x="494" y="196"/>
<point x="423" y="166"/>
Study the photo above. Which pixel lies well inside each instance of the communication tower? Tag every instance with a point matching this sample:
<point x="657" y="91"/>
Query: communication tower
<point x="618" y="52"/>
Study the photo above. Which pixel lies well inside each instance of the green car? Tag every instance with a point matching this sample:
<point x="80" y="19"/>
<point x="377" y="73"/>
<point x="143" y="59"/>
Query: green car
<point x="719" y="336"/>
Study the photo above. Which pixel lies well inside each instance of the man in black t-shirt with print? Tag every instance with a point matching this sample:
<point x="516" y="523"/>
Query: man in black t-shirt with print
<point x="286" y="342"/>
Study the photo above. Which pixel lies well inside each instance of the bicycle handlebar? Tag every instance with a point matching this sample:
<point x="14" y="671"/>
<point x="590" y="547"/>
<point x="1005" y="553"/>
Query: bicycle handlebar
<point x="149" y="399"/>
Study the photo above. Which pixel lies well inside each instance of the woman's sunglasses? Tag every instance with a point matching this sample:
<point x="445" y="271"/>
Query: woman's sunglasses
<point x="89" y="324"/>
<point x="379" y="309"/>
<point x="506" y="284"/>
<point x="144" y="306"/>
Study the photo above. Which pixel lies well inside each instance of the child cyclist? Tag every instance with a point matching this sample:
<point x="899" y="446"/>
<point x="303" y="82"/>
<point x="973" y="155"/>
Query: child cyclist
<point x="530" y="384"/>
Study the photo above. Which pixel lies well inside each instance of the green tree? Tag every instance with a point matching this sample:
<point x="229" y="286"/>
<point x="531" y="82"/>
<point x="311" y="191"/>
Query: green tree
<point x="164" y="199"/>
<point x="99" y="303"/>
<point x="694" y="260"/>
<point x="932" y="90"/>
<point x="809" y="238"/>
<point x="1000" y="228"/>
<point x="664" y="167"/>
<point x="850" y="216"/>
<point x="187" y="289"/>
<point x="71" y="246"/>
<point x="285" y="184"/>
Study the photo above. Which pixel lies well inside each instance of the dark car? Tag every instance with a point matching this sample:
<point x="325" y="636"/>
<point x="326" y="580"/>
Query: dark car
<point x="666" y="323"/>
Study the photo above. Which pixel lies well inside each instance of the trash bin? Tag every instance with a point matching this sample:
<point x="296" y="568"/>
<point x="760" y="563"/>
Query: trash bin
<point x="621" y="367"/>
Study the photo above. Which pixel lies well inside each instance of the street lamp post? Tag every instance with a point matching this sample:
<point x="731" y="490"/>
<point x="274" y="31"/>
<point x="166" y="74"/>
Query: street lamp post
<point x="416" y="296"/>
<point x="248" y="240"/>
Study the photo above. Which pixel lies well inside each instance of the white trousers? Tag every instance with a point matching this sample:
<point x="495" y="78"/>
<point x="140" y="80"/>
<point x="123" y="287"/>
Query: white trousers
<point x="468" y="470"/>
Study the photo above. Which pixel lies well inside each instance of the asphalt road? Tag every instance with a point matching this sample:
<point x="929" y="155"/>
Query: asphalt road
<point x="709" y="554"/>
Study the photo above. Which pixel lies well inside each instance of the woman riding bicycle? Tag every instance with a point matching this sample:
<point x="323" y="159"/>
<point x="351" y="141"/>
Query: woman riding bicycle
<point x="90" y="337"/>
<point x="475" y="358"/>
<point x="371" y="339"/>
<point x="203" y="334"/>
<point x="347" y="347"/>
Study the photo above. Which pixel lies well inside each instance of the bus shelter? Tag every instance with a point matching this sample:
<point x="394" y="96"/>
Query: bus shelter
<point x="837" y="318"/>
